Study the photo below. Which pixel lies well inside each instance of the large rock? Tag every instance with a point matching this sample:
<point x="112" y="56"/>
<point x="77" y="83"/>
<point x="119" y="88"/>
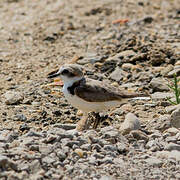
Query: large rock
<point x="159" y="84"/>
<point x="161" y="95"/>
<point x="131" y="123"/>
<point x="118" y="74"/>
<point x="13" y="97"/>
<point x="125" y="55"/>
<point x="175" y="118"/>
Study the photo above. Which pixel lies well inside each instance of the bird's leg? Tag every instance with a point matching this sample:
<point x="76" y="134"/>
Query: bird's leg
<point x="97" y="120"/>
<point x="82" y="124"/>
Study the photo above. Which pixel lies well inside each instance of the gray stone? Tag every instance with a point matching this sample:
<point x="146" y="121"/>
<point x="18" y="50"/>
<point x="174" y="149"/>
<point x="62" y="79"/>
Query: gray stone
<point x="107" y="178"/>
<point x="5" y="162"/>
<point x="154" y="145"/>
<point x="172" y="146"/>
<point x="118" y="74"/>
<point x="65" y="126"/>
<point x="110" y="148"/>
<point x="61" y="155"/>
<point x="33" y="133"/>
<point x="172" y="131"/>
<point x="170" y="109"/>
<point x="159" y="84"/>
<point x="13" y="97"/>
<point x="86" y="147"/>
<point x="96" y="147"/>
<point x="122" y="147"/>
<point x="166" y="70"/>
<point x="71" y="143"/>
<point x="175" y="118"/>
<point x="161" y="95"/>
<point x="176" y="70"/>
<point x="48" y="160"/>
<point x="169" y="155"/>
<point x="153" y="161"/>
<point x="139" y="135"/>
<point x="107" y="160"/>
<point x="34" y="166"/>
<point x="131" y="123"/>
<point x="19" y="117"/>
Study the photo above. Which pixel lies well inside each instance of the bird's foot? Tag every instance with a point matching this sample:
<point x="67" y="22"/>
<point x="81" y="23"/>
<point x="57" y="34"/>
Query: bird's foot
<point x="82" y="124"/>
<point x="97" y="120"/>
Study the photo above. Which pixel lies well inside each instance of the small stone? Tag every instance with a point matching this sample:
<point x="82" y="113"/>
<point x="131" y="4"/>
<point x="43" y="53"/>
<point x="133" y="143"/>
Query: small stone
<point x="172" y="131"/>
<point x="65" y="126"/>
<point x="153" y="161"/>
<point x="176" y="70"/>
<point x="118" y="74"/>
<point x="159" y="84"/>
<point x="127" y="66"/>
<point x="24" y="127"/>
<point x="170" y="109"/>
<point x="161" y="95"/>
<point x="5" y="162"/>
<point x="110" y="148"/>
<point x="48" y="160"/>
<point x="107" y="160"/>
<point x="19" y="117"/>
<point x="79" y="113"/>
<point x="13" y="97"/>
<point x="139" y="135"/>
<point x="34" y="103"/>
<point x="86" y="147"/>
<point x="169" y="155"/>
<point x="131" y="123"/>
<point x="175" y="118"/>
<point x="166" y="70"/>
<point x="172" y="146"/>
<point x="79" y="152"/>
<point x="106" y="178"/>
<point x="154" y="145"/>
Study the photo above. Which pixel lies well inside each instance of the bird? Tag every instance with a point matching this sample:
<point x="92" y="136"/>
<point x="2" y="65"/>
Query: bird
<point x="89" y="95"/>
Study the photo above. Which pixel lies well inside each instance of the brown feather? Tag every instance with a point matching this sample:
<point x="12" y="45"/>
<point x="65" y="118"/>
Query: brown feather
<point x="96" y="91"/>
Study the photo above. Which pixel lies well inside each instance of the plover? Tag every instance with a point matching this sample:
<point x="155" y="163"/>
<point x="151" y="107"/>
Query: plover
<point x="89" y="95"/>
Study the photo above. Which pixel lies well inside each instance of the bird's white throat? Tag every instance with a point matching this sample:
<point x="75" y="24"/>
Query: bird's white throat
<point x="68" y="82"/>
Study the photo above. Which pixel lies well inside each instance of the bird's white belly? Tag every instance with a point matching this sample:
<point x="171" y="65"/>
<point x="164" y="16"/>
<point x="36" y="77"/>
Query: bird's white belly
<point x="86" y="106"/>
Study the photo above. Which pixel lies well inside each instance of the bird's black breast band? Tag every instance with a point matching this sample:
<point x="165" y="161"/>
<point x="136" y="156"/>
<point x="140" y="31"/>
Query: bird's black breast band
<point x="74" y="85"/>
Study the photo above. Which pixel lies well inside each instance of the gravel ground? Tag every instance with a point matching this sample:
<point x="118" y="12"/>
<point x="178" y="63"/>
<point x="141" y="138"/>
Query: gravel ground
<point x="133" y="45"/>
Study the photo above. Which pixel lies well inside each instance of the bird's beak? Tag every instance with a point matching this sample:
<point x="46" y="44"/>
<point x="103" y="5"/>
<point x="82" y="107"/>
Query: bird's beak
<point x="54" y="74"/>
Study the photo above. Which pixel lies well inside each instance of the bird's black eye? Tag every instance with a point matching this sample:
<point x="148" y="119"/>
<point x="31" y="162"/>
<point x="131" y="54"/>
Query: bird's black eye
<point x="65" y="71"/>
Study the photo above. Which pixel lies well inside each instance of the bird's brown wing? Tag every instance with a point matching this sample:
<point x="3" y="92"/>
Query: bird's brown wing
<point x="95" y="91"/>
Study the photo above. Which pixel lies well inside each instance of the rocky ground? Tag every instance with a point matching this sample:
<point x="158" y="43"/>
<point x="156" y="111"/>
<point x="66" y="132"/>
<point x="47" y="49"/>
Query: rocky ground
<point x="133" y="45"/>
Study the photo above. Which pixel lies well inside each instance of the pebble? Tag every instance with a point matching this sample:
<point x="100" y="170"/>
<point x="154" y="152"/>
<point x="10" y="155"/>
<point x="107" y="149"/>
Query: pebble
<point x="79" y="152"/>
<point x="139" y="135"/>
<point x="65" y="126"/>
<point x="172" y="146"/>
<point x="170" y="109"/>
<point x="153" y="161"/>
<point x="117" y="75"/>
<point x="127" y="66"/>
<point x="169" y="155"/>
<point x="19" y="117"/>
<point x="175" y="118"/>
<point x="161" y="95"/>
<point x="130" y="123"/>
<point x="13" y="97"/>
<point x="172" y="131"/>
<point x="6" y="162"/>
<point x="176" y="70"/>
<point x="159" y="84"/>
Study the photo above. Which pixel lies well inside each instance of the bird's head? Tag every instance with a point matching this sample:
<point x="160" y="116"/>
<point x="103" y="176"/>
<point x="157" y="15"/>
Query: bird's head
<point x="69" y="73"/>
